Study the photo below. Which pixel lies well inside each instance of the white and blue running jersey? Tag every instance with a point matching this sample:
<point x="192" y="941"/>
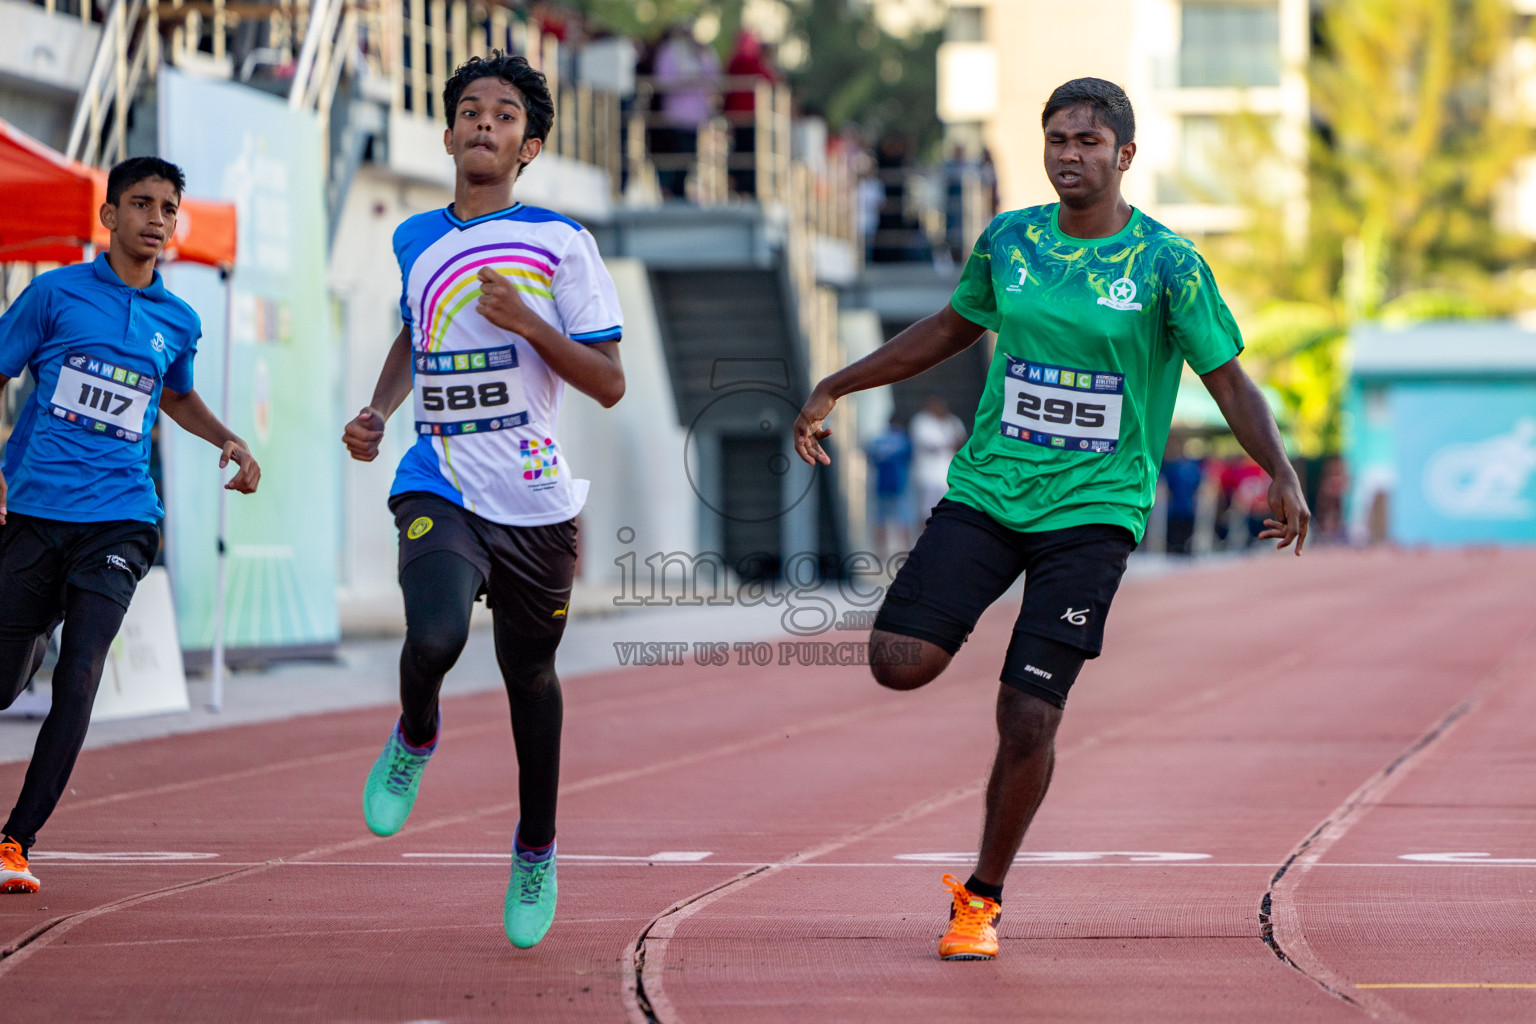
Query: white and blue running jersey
<point x="485" y="403"/>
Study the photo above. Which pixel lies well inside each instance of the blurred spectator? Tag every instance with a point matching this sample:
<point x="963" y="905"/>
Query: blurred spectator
<point x="891" y="456"/>
<point x="1328" y="520"/>
<point x="989" y="182"/>
<point x="957" y="170"/>
<point x="1246" y="489"/>
<point x="1183" y="472"/>
<point x="749" y="60"/>
<point x="936" y="435"/>
<point x="686" y="73"/>
<point x="871" y="196"/>
<point x="898" y="236"/>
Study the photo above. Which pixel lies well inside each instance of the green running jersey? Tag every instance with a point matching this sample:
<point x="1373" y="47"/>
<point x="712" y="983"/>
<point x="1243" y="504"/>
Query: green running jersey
<point x="1092" y="334"/>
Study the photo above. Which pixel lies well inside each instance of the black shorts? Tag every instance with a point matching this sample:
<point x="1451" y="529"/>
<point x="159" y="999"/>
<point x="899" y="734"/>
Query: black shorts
<point x="41" y="558"/>
<point x="527" y="570"/>
<point x="965" y="560"/>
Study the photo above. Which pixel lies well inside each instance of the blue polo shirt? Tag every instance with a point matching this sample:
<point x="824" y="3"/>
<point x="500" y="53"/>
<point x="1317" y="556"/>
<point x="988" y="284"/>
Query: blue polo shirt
<point x="100" y="352"/>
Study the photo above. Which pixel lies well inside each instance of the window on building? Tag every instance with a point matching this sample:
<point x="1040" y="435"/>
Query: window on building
<point x="1223" y="160"/>
<point x="1198" y="177"/>
<point x="1229" y="43"/>
<point x="965" y="24"/>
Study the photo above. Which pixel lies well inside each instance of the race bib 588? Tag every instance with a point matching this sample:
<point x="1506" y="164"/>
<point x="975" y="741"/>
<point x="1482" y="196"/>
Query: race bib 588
<point x="1057" y="407"/>
<point x="102" y="398"/>
<point x="468" y="392"/>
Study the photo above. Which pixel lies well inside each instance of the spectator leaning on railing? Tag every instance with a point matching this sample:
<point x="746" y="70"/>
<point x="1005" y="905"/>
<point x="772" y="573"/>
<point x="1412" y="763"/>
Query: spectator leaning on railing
<point x="750" y="60"/>
<point x="686" y="75"/>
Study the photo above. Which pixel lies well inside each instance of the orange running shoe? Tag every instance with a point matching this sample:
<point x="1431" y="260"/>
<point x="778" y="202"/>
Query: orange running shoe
<point x="973" y="921"/>
<point x="14" y="876"/>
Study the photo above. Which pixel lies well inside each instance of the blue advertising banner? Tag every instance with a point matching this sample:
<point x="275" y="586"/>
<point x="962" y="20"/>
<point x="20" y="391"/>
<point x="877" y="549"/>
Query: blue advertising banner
<point x="238" y="144"/>
<point x="1466" y="463"/>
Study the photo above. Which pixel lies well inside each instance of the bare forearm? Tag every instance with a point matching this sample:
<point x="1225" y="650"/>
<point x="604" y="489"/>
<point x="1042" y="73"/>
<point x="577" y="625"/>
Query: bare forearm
<point x="192" y="414"/>
<point x="1252" y="423"/>
<point x="394" y="383"/>
<point x="594" y="370"/>
<point x="922" y="346"/>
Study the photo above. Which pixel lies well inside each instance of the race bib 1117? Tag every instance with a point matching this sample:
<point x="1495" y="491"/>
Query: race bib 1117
<point x="468" y="392"/>
<point x="1057" y="407"/>
<point x="102" y="397"/>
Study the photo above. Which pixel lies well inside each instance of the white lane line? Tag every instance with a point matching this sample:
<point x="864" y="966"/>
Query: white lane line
<point x="117" y="857"/>
<point x="1062" y="857"/>
<point x="664" y="857"/>
<point x="1474" y="859"/>
<point x="57" y="859"/>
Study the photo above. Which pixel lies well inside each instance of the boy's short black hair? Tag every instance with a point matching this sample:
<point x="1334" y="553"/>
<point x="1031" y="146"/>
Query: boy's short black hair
<point x="139" y="168"/>
<point x="1111" y="106"/>
<point x="516" y="72"/>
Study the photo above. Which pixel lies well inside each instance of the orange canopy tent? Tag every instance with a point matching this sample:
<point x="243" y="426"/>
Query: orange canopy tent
<point x="49" y="204"/>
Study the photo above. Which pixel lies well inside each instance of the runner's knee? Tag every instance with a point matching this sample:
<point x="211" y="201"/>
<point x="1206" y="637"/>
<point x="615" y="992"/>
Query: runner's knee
<point x="904" y="663"/>
<point x="439" y="590"/>
<point x="1024" y="721"/>
<point x="527" y="663"/>
<point x="19" y="662"/>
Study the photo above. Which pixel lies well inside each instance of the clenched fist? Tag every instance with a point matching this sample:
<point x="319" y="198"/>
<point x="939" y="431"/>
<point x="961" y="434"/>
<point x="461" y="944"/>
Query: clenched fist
<point x="501" y="305"/>
<point x="363" y="434"/>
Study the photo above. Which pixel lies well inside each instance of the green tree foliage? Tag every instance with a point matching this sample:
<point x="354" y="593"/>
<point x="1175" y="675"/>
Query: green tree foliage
<point x="858" y="74"/>
<point x="1416" y="130"/>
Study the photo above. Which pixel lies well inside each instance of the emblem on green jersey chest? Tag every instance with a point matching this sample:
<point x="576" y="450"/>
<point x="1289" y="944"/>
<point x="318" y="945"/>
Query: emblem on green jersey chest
<point x="1122" y="295"/>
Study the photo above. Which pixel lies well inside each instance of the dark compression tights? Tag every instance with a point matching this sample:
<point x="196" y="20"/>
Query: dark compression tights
<point x="440" y="590"/>
<point x="90" y="623"/>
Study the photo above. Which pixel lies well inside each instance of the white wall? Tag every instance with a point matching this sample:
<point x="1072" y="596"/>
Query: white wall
<point x="365" y="285"/>
<point x="632" y="453"/>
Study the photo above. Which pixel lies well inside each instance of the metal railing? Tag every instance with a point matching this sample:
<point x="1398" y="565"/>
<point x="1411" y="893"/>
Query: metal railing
<point x="401" y="52"/>
<point x="735" y="155"/>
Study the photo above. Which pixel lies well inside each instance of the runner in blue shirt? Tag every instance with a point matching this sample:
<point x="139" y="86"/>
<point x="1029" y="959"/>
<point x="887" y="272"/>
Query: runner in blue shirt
<point x="108" y="347"/>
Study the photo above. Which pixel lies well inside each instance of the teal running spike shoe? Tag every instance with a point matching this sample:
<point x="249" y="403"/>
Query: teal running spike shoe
<point x="530" y="906"/>
<point x="390" y="792"/>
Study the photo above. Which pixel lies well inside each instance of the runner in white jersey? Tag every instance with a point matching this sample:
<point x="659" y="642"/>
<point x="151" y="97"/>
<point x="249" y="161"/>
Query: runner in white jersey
<point x="504" y="304"/>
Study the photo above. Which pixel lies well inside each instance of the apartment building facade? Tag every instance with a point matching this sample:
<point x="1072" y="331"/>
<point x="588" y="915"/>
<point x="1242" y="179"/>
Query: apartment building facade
<point x="1191" y="68"/>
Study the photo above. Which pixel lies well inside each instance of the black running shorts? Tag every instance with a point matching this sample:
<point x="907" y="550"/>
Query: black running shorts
<point x="41" y="558"/>
<point x="528" y="570"/>
<point x="965" y="560"/>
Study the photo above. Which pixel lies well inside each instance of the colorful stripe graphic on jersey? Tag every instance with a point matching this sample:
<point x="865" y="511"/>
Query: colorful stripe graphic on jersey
<point x="486" y="403"/>
<point x="457" y="282"/>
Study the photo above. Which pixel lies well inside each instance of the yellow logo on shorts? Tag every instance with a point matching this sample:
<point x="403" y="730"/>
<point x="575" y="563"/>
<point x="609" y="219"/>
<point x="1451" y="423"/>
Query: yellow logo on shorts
<point x="559" y="613"/>
<point x="418" y="528"/>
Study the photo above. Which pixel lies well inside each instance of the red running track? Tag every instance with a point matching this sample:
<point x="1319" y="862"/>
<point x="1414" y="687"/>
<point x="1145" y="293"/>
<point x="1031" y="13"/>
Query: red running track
<point x="1330" y="716"/>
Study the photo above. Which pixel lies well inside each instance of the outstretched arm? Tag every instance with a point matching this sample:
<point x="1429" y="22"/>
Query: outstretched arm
<point x="1248" y="415"/>
<point x="363" y="434"/>
<point x="925" y="344"/>
<point x="192" y="414"/>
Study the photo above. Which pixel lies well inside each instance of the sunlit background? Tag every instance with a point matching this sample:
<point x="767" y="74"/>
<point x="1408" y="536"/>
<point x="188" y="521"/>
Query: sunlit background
<point x="778" y="187"/>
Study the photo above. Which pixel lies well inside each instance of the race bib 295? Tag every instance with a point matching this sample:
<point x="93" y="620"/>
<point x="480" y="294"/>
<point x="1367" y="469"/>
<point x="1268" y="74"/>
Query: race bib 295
<point x="468" y="392"/>
<point x="103" y="398"/>
<point x="1057" y="407"/>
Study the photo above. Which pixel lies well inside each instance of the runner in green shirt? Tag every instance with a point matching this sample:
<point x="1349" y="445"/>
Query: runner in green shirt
<point x="1097" y="307"/>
